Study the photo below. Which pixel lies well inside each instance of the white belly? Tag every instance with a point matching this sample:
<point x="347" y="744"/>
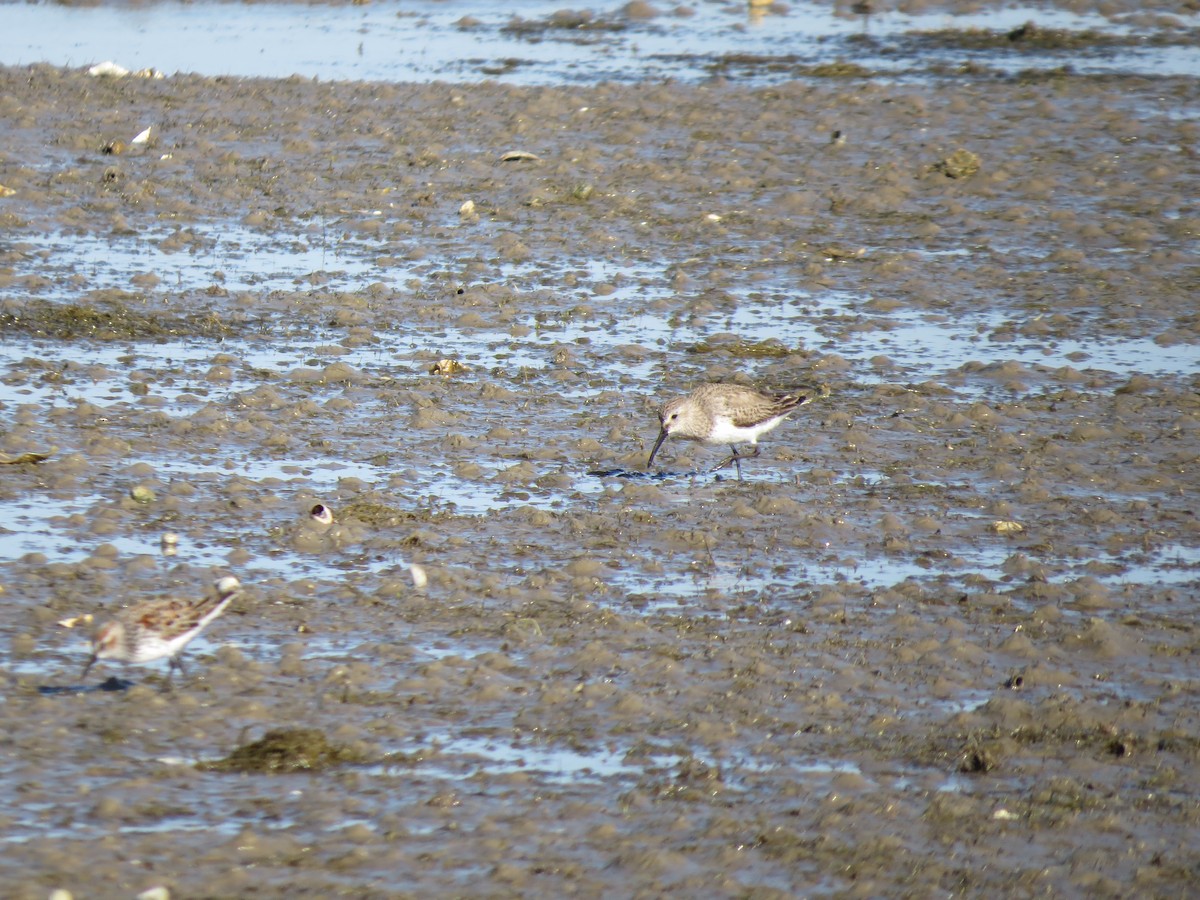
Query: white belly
<point x="725" y="432"/>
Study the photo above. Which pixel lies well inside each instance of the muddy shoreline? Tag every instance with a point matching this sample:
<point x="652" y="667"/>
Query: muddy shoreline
<point x="851" y="675"/>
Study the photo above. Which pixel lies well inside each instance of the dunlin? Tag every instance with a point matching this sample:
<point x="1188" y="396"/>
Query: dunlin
<point x="725" y="414"/>
<point x="158" y="628"/>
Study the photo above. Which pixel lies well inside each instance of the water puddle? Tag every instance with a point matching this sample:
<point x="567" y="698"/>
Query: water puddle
<point x="460" y="757"/>
<point x="1171" y="564"/>
<point x="919" y="344"/>
<point x="713" y="581"/>
<point x="538" y="42"/>
<point x="463" y="757"/>
<point x="343" y="648"/>
<point x="963" y="702"/>
<point x="231" y="256"/>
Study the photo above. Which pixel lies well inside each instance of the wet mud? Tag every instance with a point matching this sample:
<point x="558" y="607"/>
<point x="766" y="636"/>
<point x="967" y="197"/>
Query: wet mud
<point x="940" y="640"/>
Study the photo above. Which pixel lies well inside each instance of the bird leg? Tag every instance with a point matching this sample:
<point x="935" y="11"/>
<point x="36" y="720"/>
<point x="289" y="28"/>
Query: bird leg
<point x="173" y="663"/>
<point x="736" y="458"/>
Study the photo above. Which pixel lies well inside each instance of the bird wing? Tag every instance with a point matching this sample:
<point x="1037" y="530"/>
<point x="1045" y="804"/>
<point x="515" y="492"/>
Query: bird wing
<point x="739" y="405"/>
<point x="166" y="617"/>
<point x="175" y="615"/>
<point x="751" y="409"/>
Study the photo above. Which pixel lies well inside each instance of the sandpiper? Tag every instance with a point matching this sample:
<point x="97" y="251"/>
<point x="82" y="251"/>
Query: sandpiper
<point x="725" y="414"/>
<point x="158" y="628"/>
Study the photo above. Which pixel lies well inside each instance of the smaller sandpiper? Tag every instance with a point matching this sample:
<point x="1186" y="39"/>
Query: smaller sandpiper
<point x="725" y="414"/>
<point x="158" y="628"/>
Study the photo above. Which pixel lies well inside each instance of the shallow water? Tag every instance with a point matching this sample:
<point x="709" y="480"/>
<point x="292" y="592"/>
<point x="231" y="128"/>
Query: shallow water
<point x="524" y="42"/>
<point x="926" y="344"/>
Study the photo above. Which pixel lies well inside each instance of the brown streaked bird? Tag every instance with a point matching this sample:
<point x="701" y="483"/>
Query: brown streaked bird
<point x="158" y="628"/>
<point x="725" y="414"/>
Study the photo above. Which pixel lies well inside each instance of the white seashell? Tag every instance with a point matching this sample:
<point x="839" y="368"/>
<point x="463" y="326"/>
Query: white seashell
<point x="515" y="155"/>
<point x="142" y="136"/>
<point x="420" y="579"/>
<point x="108" y="69"/>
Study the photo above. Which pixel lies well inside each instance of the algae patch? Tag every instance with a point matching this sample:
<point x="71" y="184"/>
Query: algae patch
<point x="959" y="164"/>
<point x="1027" y="37"/>
<point x="107" y="322"/>
<point x="376" y="515"/>
<point x="27" y="458"/>
<point x="742" y="349"/>
<point x="790" y="64"/>
<point x="285" y="750"/>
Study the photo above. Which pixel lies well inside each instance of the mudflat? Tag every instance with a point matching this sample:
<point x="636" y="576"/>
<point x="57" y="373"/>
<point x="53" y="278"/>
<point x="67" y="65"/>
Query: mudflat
<point x="941" y="639"/>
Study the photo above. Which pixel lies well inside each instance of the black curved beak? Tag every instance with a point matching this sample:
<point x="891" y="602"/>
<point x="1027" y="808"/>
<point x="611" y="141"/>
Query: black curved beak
<point x="91" y="662"/>
<point x="662" y="436"/>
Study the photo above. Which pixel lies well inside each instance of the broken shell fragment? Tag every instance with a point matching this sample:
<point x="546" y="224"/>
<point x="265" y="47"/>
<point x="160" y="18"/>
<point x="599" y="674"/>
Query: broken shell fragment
<point x="835" y="252"/>
<point x="448" y="367"/>
<point x="1007" y="527"/>
<point x="142" y="494"/>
